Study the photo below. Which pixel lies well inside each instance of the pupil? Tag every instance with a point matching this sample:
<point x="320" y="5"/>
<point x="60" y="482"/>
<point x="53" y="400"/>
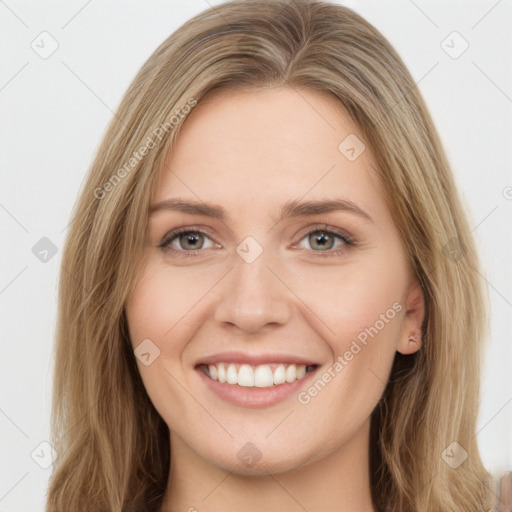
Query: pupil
<point x="192" y="239"/>
<point x="321" y="240"/>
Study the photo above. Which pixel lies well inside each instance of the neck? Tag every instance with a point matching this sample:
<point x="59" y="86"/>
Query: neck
<point x="338" y="482"/>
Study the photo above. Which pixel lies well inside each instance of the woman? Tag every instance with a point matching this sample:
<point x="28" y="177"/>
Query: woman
<point x="317" y="345"/>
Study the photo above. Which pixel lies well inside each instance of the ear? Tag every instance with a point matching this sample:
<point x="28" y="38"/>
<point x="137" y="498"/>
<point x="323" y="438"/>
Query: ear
<point x="410" y="334"/>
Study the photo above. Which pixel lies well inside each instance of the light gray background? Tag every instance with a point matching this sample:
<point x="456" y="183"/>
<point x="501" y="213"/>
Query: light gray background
<point x="54" y="112"/>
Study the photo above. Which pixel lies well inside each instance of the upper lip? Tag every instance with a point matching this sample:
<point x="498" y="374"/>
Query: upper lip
<point x="255" y="359"/>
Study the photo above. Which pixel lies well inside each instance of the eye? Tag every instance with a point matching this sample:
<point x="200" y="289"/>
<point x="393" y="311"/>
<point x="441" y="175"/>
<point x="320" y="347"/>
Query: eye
<point x="186" y="241"/>
<point x="328" y="241"/>
<point x="190" y="241"/>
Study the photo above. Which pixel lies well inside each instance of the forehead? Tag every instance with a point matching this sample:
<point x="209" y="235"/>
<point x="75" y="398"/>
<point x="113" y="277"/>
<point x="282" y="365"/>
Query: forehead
<point x="268" y="146"/>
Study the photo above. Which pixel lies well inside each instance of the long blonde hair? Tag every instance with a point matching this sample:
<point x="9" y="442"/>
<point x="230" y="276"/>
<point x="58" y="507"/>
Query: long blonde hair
<point x="113" y="447"/>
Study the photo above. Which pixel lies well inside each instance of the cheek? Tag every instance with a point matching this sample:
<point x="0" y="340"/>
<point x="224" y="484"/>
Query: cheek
<point x="165" y="303"/>
<point x="164" y="308"/>
<point x="358" y="309"/>
<point x="348" y="300"/>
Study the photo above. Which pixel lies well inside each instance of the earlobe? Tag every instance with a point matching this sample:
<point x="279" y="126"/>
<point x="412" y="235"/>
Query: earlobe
<point x="412" y="345"/>
<point x="411" y="335"/>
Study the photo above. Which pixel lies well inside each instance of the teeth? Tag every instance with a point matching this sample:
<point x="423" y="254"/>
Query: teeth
<point x="232" y="375"/>
<point x="291" y="373"/>
<point x="263" y="376"/>
<point x="245" y="376"/>
<point x="260" y="376"/>
<point x="280" y="375"/>
<point x="221" y="372"/>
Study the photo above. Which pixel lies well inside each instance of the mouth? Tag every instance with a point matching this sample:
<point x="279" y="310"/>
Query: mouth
<point x="268" y="375"/>
<point x="255" y="380"/>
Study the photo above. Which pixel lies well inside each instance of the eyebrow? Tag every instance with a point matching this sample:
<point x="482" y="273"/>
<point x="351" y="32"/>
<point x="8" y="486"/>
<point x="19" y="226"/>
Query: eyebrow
<point x="292" y="208"/>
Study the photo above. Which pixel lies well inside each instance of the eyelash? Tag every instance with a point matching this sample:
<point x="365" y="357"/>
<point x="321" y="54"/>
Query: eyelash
<point x="165" y="244"/>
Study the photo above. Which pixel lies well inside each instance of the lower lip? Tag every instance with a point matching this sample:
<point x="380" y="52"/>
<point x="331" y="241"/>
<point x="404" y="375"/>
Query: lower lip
<point x="255" y="398"/>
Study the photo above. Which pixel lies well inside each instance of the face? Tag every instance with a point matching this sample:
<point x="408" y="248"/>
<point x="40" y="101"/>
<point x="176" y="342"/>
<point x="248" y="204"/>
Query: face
<point x="274" y="290"/>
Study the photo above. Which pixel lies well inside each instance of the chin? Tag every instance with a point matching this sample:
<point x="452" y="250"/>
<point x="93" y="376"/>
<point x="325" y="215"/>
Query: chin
<point x="250" y="461"/>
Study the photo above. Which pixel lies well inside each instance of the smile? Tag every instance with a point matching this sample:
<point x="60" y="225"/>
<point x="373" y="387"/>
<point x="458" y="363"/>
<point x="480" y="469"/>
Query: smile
<point x="259" y="376"/>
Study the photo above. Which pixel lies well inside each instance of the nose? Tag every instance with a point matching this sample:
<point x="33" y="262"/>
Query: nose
<point x="254" y="297"/>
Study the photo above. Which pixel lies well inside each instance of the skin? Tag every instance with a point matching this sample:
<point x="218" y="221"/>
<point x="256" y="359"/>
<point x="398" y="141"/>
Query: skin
<point x="250" y="152"/>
